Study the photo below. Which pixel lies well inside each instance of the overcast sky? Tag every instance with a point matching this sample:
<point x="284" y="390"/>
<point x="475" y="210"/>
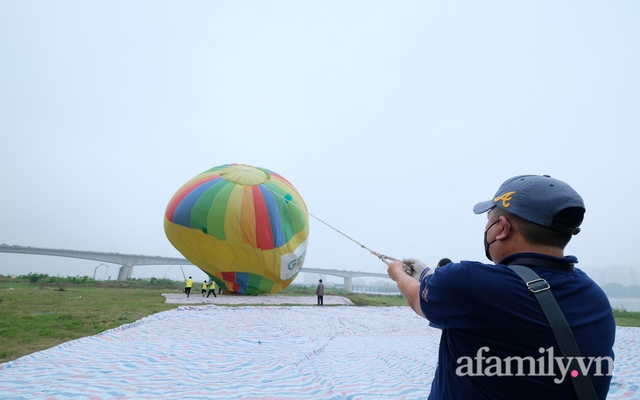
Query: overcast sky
<point x="391" y="118"/>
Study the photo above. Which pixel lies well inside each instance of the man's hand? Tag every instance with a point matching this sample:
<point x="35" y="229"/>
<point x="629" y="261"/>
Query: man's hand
<point x="415" y="268"/>
<point x="396" y="270"/>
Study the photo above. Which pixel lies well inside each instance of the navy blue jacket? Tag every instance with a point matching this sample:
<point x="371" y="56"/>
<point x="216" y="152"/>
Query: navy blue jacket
<point x="496" y="342"/>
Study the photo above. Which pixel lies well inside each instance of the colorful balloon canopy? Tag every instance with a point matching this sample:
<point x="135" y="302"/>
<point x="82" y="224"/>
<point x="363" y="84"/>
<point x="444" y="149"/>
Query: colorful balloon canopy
<point x="245" y="226"/>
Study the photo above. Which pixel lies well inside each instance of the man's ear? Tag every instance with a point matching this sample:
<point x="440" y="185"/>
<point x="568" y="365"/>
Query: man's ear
<point x="507" y="228"/>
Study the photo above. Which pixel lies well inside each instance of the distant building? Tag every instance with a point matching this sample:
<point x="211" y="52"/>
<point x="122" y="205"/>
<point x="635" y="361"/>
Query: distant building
<point x="624" y="275"/>
<point x="312" y="279"/>
<point x="359" y="282"/>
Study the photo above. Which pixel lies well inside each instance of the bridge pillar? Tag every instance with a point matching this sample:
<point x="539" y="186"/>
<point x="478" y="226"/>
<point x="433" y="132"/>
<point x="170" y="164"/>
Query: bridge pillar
<point x="125" y="272"/>
<point x="348" y="286"/>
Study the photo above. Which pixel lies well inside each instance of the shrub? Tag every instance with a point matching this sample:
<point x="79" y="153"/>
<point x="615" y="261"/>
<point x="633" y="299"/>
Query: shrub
<point x="33" y="277"/>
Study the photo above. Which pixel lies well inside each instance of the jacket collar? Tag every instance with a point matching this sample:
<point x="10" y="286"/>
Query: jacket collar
<point x="541" y="260"/>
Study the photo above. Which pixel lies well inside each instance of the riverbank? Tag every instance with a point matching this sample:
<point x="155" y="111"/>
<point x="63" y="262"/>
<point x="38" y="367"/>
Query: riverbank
<point x="625" y="303"/>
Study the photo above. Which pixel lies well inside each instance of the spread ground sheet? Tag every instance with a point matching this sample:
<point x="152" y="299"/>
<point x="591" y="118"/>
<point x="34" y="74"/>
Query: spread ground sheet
<point x="258" y="352"/>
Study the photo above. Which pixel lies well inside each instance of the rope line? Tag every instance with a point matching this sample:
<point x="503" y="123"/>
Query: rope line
<point x="385" y="259"/>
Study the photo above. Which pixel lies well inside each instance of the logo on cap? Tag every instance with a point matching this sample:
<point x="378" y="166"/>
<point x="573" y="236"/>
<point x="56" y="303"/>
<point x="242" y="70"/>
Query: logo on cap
<point x="506" y="198"/>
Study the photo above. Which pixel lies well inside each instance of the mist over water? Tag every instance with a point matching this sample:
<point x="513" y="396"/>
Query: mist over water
<point x="628" y="303"/>
<point x="624" y="275"/>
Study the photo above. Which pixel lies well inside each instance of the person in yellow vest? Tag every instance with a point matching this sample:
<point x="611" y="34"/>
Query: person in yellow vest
<point x="187" y="287"/>
<point x="203" y="288"/>
<point x="212" y="289"/>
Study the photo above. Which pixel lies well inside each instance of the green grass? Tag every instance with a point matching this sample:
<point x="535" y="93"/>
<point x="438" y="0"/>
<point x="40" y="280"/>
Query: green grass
<point x="36" y="316"/>
<point x="358" y="299"/>
<point x="626" y="318"/>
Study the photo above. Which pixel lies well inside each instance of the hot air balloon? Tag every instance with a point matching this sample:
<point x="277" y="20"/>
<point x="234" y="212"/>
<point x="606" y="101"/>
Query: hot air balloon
<point x="246" y="227"/>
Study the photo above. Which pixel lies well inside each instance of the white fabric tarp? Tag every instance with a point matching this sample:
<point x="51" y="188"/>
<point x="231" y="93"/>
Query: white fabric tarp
<point x="257" y="352"/>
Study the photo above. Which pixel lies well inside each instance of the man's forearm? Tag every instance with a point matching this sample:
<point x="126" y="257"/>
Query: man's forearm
<point x="410" y="289"/>
<point x="408" y="286"/>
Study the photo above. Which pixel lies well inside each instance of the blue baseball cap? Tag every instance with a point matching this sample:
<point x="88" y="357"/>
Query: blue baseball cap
<point x="539" y="199"/>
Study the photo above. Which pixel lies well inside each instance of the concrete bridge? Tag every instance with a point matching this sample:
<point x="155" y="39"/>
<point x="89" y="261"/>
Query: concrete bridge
<point x="346" y="275"/>
<point x="128" y="261"/>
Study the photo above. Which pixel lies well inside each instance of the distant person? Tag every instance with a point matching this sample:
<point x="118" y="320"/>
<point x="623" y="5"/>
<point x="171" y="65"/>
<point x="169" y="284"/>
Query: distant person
<point x="187" y="286"/>
<point x="320" y="292"/>
<point x="212" y="289"/>
<point x="492" y="322"/>
<point x="443" y="262"/>
<point x="203" y="288"/>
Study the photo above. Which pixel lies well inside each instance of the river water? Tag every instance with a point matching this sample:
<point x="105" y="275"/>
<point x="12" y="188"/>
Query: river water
<point x="625" y="303"/>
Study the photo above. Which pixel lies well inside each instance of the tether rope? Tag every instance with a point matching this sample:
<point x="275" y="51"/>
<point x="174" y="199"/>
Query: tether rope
<point x="385" y="259"/>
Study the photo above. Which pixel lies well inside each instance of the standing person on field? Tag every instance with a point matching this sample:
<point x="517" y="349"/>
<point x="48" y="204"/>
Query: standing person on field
<point x="496" y="342"/>
<point x="212" y="289"/>
<point x="320" y="292"/>
<point x="203" y="288"/>
<point x="187" y="286"/>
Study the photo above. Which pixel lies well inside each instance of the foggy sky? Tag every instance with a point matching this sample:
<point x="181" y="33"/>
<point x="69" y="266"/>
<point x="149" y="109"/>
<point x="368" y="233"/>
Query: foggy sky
<point x="392" y="119"/>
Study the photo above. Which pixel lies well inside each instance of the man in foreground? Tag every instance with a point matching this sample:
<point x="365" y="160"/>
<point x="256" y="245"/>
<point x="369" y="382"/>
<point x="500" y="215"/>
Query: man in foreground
<point x="496" y="342"/>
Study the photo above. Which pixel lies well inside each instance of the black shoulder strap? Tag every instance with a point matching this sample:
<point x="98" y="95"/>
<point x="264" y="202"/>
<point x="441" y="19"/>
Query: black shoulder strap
<point x="560" y="327"/>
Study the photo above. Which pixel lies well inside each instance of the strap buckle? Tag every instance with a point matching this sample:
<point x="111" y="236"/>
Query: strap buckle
<point x="538" y="285"/>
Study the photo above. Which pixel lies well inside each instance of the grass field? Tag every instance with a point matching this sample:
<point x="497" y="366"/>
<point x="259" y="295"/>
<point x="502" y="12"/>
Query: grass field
<point x="35" y="316"/>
